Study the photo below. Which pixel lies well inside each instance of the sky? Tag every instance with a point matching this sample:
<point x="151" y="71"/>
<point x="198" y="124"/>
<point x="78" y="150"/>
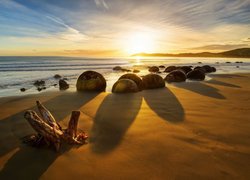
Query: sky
<point x="121" y="27"/>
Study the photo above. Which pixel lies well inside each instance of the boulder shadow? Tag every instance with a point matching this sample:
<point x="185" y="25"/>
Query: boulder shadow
<point x="34" y="162"/>
<point x="113" y="118"/>
<point x="201" y="88"/>
<point x="165" y="104"/>
<point x="220" y="83"/>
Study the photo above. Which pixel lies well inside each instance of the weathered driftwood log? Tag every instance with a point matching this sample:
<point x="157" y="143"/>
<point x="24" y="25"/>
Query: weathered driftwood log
<point x="50" y="132"/>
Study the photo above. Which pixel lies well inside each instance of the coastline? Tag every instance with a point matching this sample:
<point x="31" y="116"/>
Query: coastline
<point x="196" y="130"/>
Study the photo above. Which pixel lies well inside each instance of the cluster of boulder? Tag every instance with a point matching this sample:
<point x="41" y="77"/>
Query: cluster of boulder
<point x="182" y="73"/>
<point x="127" y="83"/>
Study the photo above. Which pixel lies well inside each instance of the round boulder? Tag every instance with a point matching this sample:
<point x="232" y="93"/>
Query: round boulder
<point x="153" y="81"/>
<point x="125" y="86"/>
<point x="134" y="78"/>
<point x="154" y="69"/>
<point x="170" y="69"/>
<point x="196" y="75"/>
<point x="91" y="81"/>
<point x="176" y="76"/>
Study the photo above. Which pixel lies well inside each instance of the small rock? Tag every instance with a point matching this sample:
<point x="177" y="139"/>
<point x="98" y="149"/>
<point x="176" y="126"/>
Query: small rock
<point x="176" y="76"/>
<point x="125" y="86"/>
<point x="22" y="89"/>
<point x="162" y="66"/>
<point x="117" y="68"/>
<point x="39" y="83"/>
<point x="228" y="62"/>
<point x="63" y="85"/>
<point x="153" y="69"/>
<point x="57" y="76"/>
<point x="136" y="71"/>
<point x="199" y="62"/>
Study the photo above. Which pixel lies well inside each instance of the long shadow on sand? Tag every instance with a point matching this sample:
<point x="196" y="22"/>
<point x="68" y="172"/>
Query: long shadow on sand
<point x="220" y="83"/>
<point x="201" y="88"/>
<point x="34" y="162"/>
<point x="114" y="116"/>
<point x="165" y="104"/>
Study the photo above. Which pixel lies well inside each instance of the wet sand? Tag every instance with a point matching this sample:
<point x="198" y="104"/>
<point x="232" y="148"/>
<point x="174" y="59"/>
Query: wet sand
<point x="192" y="130"/>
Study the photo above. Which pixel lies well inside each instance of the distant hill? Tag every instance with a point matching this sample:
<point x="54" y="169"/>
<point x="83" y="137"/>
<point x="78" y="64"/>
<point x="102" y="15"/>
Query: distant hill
<point x="239" y="53"/>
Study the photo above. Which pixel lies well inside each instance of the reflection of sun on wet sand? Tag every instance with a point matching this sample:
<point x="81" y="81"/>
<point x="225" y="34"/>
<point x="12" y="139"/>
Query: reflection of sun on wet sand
<point x="190" y="130"/>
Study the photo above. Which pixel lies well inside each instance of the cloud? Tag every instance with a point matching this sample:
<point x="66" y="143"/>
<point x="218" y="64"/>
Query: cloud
<point x="88" y="52"/>
<point x="218" y="47"/>
<point x="102" y="4"/>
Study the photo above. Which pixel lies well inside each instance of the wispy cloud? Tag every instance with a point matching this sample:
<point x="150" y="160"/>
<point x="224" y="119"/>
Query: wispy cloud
<point x="106" y="24"/>
<point x="101" y="3"/>
<point x="218" y="47"/>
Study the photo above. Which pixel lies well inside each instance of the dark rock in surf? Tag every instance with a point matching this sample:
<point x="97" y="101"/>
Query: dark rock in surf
<point x="153" y="69"/>
<point x="57" y="76"/>
<point x="63" y="85"/>
<point x="22" y="89"/>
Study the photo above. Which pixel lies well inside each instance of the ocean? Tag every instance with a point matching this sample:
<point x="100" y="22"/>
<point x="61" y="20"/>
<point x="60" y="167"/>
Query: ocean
<point x="22" y="72"/>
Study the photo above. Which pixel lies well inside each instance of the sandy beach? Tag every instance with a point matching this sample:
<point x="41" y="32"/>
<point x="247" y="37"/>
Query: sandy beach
<point x="191" y="130"/>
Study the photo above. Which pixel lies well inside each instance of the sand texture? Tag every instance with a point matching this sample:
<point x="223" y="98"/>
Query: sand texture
<point x="192" y="130"/>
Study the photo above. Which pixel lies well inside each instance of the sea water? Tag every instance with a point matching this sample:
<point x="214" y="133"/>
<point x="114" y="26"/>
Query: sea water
<point x="22" y="72"/>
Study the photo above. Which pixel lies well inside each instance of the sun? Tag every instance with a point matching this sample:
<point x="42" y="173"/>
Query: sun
<point x="139" y="42"/>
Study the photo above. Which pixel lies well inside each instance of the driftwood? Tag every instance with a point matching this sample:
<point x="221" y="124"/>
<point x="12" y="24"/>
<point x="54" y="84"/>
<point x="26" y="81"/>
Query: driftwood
<point x="49" y="132"/>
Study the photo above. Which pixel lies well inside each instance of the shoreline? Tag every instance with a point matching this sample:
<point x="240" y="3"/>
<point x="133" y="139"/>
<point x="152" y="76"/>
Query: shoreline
<point x="73" y="89"/>
<point x="197" y="130"/>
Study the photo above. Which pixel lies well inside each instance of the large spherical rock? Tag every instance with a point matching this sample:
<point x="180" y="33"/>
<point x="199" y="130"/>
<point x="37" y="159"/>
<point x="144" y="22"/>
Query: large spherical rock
<point x="134" y="78"/>
<point x="125" y="86"/>
<point x="153" y="81"/>
<point x="176" y="76"/>
<point x="170" y="69"/>
<point x="196" y="75"/>
<point x="91" y="81"/>
<point x="154" y="69"/>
